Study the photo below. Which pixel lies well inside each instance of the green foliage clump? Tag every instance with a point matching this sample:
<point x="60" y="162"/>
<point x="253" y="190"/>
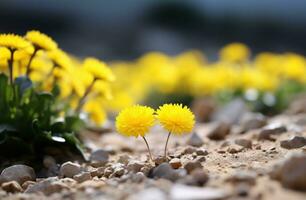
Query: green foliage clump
<point x="29" y="122"/>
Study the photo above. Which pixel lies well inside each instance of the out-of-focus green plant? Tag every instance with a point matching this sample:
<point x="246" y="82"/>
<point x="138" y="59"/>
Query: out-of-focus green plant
<point x="28" y="123"/>
<point x="43" y="93"/>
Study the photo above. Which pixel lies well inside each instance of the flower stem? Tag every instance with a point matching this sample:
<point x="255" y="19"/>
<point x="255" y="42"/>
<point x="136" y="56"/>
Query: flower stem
<point x="82" y="99"/>
<point x="28" y="71"/>
<point x="10" y="64"/>
<point x="151" y="157"/>
<point x="165" y="152"/>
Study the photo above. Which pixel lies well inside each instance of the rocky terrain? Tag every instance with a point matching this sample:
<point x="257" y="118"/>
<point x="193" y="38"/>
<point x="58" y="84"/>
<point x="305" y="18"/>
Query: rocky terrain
<point x="239" y="155"/>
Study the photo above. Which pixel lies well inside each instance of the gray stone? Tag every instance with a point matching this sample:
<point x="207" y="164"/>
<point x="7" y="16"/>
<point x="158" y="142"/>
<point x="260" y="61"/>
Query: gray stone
<point x="247" y="177"/>
<point x="297" y="106"/>
<point x="124" y="159"/>
<point x="192" y="165"/>
<point x="231" y="112"/>
<point x="244" y="143"/>
<point x="159" y="160"/>
<point x="219" y="131"/>
<point x="199" y="177"/>
<point x="26" y="184"/>
<point x="19" y="173"/>
<point x="234" y="148"/>
<point x="291" y="172"/>
<point x="99" y="158"/>
<point x="135" y="166"/>
<point x="118" y="172"/>
<point x="195" y="140"/>
<point x="202" y="152"/>
<point x="273" y="129"/>
<point x="11" y="187"/>
<point x="252" y="121"/>
<point x="200" y="159"/>
<point x="189" y="150"/>
<point x="84" y="176"/>
<point x="293" y="143"/>
<point x="138" y="177"/>
<point x="165" y="171"/>
<point x="48" y="186"/>
<point x="69" y="169"/>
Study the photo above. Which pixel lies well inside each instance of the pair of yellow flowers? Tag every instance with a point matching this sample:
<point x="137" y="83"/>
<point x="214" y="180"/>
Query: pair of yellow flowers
<point x="137" y="121"/>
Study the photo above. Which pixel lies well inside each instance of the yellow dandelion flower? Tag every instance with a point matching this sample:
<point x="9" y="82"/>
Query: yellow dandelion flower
<point x="176" y="118"/>
<point x="95" y="111"/>
<point x="98" y="69"/>
<point x="41" y="40"/>
<point x="235" y="52"/>
<point x="135" y="120"/>
<point x="5" y="54"/>
<point x="60" y="58"/>
<point x="12" y="41"/>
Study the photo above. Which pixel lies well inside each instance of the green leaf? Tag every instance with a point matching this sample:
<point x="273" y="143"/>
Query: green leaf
<point x="73" y="124"/>
<point x="74" y="142"/>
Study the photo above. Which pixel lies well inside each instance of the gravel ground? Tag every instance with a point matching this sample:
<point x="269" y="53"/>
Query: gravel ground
<point x="257" y="158"/>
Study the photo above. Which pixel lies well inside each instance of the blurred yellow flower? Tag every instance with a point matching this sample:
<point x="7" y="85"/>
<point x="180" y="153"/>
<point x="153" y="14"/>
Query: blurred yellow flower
<point x="294" y="67"/>
<point x="98" y="69"/>
<point x="5" y="54"/>
<point x="40" y="40"/>
<point x="60" y="58"/>
<point x="135" y="120"/>
<point x="176" y="118"/>
<point x="13" y="41"/>
<point x="235" y="52"/>
<point x="95" y="111"/>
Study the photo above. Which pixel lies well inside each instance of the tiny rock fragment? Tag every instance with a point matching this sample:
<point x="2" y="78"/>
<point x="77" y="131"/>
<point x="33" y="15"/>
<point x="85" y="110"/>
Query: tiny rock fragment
<point x="69" y="169"/>
<point x="84" y="176"/>
<point x="175" y="163"/>
<point x="199" y="176"/>
<point x="252" y="121"/>
<point x="291" y="172"/>
<point x="135" y="166"/>
<point x="19" y="173"/>
<point x="195" y="140"/>
<point x="11" y="187"/>
<point x="159" y="160"/>
<point x="293" y="143"/>
<point x="273" y="129"/>
<point x="99" y="158"/>
<point x="244" y="143"/>
<point x="243" y="177"/>
<point x="165" y="171"/>
<point x="192" y="165"/>
<point x="189" y="150"/>
<point x="234" y="149"/>
<point x="219" y="131"/>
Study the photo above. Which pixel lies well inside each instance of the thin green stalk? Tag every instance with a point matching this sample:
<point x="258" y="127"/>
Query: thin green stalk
<point x="83" y="98"/>
<point x="10" y="64"/>
<point x="147" y="144"/>
<point x="165" y="151"/>
<point x="28" y="69"/>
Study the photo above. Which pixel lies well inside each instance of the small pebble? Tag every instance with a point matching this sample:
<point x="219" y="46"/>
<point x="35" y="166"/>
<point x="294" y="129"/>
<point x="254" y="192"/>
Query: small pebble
<point x="11" y="187"/>
<point x="175" y="163"/>
<point x="84" y="176"/>
<point x="69" y="169"/>
<point x="192" y="165"/>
